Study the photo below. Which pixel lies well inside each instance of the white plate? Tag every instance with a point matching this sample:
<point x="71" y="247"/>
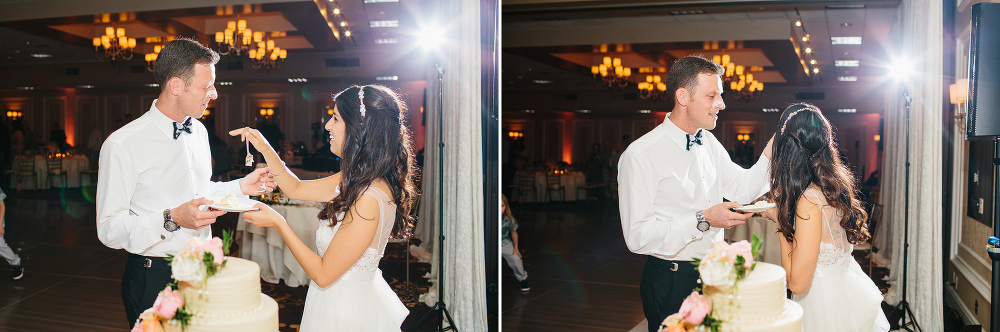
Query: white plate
<point x="245" y="204"/>
<point x="755" y="208"/>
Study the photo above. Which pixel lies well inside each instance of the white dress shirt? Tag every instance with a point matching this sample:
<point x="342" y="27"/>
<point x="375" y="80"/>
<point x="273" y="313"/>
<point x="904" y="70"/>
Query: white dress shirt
<point x="662" y="185"/>
<point x="143" y="171"/>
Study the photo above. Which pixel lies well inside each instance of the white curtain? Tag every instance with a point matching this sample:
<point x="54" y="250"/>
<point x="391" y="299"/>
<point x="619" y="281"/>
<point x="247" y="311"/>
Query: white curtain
<point x="919" y="28"/>
<point x="464" y="252"/>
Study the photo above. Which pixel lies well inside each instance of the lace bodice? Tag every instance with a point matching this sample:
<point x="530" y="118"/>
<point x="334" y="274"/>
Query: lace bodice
<point x="369" y="260"/>
<point x="834" y="248"/>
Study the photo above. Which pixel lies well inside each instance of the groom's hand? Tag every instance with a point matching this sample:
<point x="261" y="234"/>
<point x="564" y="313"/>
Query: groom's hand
<point x="721" y="216"/>
<point x="188" y="215"/>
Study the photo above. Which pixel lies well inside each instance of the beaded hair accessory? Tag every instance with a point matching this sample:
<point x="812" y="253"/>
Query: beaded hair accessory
<point x="793" y="114"/>
<point x="361" y="99"/>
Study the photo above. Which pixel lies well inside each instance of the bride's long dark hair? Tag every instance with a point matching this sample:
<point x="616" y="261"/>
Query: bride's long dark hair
<point x="378" y="145"/>
<point x="805" y="153"/>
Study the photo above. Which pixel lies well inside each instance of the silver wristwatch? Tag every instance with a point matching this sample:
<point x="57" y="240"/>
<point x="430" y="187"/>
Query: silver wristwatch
<point x="168" y="222"/>
<point x="703" y="225"/>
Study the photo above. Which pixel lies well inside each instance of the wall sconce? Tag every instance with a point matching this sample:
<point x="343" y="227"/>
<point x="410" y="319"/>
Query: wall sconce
<point x="515" y="134"/>
<point x="959" y="91"/>
<point x="743" y="137"/>
<point x="329" y="110"/>
<point x="267" y="111"/>
<point x="878" y="137"/>
<point x="14" y="115"/>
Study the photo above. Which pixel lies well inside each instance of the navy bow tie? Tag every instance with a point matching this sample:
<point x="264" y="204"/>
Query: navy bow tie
<point x="186" y="127"/>
<point x="692" y="140"/>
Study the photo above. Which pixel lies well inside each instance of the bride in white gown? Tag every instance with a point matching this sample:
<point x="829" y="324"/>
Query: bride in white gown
<point x="820" y="219"/>
<point x="368" y="201"/>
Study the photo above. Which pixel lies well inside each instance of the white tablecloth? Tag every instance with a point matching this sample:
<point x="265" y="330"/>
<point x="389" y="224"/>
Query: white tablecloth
<point x="265" y="246"/>
<point x="569" y="181"/>
<point x="70" y="165"/>
<point x="766" y="230"/>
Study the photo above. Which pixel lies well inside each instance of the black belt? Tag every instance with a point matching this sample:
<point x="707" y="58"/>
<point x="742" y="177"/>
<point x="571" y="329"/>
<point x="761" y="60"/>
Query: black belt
<point x="675" y="266"/>
<point x="158" y="263"/>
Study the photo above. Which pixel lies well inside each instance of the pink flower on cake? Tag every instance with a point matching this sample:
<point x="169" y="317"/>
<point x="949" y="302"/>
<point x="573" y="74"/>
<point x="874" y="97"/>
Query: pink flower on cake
<point x="742" y="249"/>
<point x="214" y="247"/>
<point x="167" y="303"/>
<point x="694" y="309"/>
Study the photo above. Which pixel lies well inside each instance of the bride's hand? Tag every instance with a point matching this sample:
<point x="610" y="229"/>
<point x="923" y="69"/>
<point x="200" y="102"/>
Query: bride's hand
<point x="265" y="216"/>
<point x="253" y="135"/>
<point x="771" y="214"/>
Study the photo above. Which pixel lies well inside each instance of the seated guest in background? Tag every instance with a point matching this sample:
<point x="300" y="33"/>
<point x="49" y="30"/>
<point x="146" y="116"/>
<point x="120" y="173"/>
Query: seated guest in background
<point x="820" y="219"/>
<point x="672" y="182"/>
<point x="58" y="137"/>
<point x="369" y="199"/>
<point x="155" y="172"/>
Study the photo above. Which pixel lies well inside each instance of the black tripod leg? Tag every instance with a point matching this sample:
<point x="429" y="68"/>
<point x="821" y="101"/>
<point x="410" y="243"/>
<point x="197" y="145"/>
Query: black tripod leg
<point x="451" y="323"/>
<point x="421" y="320"/>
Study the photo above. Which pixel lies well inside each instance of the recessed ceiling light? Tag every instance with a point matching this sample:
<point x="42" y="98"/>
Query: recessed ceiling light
<point x="225" y="83"/>
<point x="644" y="111"/>
<point x="25" y="88"/>
<point x="847" y="110"/>
<point x="529" y="111"/>
<point x="687" y="12"/>
<point x="845" y="40"/>
<point x="583" y="111"/>
<point x="297" y="80"/>
<point x="152" y="85"/>
<point x="847" y="78"/>
<point x="387" y="78"/>
<point x="85" y="86"/>
<point x="845" y="24"/>
<point x="41" y="55"/>
<point x="542" y="81"/>
<point x="384" y="24"/>
<point x="847" y="63"/>
<point x="770" y="110"/>
<point x="381" y="41"/>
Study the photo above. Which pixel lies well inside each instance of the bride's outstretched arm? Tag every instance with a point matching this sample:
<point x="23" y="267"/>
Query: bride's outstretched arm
<point x="320" y="190"/>
<point x="352" y="239"/>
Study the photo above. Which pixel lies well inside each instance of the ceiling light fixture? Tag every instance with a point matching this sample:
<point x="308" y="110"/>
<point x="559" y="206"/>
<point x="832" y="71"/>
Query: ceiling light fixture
<point x="847" y="110"/>
<point x="387" y="78"/>
<point x="117" y="46"/>
<point x="847" y="78"/>
<point x="739" y="79"/>
<point x="847" y="63"/>
<point x="845" y="40"/>
<point x="237" y="38"/>
<point x="611" y="72"/>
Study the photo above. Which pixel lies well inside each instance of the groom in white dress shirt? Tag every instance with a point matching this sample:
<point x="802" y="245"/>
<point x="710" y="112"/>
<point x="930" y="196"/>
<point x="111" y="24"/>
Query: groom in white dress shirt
<point x="155" y="173"/>
<point x="672" y="183"/>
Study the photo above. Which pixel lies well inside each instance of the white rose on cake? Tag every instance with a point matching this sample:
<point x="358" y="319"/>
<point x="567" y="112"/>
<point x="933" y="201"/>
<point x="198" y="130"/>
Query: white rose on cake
<point x="187" y="268"/>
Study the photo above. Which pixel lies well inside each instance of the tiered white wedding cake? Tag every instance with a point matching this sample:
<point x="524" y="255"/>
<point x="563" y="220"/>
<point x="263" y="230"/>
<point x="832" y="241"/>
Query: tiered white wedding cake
<point x="229" y="301"/>
<point x="757" y="303"/>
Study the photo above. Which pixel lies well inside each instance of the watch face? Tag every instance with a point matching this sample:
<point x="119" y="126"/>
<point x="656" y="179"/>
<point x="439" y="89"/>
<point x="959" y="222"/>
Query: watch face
<point x="170" y="226"/>
<point x="703" y="226"/>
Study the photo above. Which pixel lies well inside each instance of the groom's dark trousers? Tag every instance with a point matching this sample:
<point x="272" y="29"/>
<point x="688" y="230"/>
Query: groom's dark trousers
<point x="143" y="280"/>
<point x="664" y="286"/>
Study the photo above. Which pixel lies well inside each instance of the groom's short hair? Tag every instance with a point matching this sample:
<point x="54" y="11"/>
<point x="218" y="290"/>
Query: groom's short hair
<point x="684" y="74"/>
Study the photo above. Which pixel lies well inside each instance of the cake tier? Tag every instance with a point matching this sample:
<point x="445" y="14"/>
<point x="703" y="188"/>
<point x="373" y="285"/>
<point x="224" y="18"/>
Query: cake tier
<point x="790" y="320"/>
<point x="234" y="290"/>
<point x="758" y="298"/>
<point x="263" y="318"/>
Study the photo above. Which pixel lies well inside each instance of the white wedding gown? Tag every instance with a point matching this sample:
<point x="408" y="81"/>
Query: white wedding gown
<point x="360" y="300"/>
<point x="842" y="297"/>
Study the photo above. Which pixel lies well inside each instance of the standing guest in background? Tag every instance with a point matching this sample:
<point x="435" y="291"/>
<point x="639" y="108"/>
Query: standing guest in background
<point x="17" y="138"/>
<point x="94" y="142"/>
<point x="672" y="184"/>
<point x="596" y="163"/>
<point x="58" y="137"/>
<point x="5" y="251"/>
<point x="155" y="173"/>
<point x="511" y="254"/>
<point x="272" y="133"/>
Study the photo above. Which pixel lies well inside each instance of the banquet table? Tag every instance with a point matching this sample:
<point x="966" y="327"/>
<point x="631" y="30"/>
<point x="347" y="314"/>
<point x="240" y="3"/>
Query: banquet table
<point x="265" y="246"/>
<point x="70" y="165"/>
<point x="766" y="230"/>
<point x="569" y="181"/>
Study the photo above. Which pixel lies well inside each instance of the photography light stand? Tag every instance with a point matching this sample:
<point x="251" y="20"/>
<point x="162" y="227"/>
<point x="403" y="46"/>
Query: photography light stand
<point x="993" y="249"/>
<point x="440" y="307"/>
<point x="904" y="306"/>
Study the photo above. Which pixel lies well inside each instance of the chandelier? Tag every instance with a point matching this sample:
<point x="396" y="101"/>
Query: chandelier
<point x="739" y="80"/>
<point x="116" y="45"/>
<point x="237" y="38"/>
<point x="267" y="56"/>
<point x="653" y="88"/>
<point x="612" y="73"/>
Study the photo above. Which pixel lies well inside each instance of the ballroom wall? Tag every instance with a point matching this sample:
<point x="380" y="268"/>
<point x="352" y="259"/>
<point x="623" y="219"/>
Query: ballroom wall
<point x="297" y="105"/>
<point x="568" y="136"/>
